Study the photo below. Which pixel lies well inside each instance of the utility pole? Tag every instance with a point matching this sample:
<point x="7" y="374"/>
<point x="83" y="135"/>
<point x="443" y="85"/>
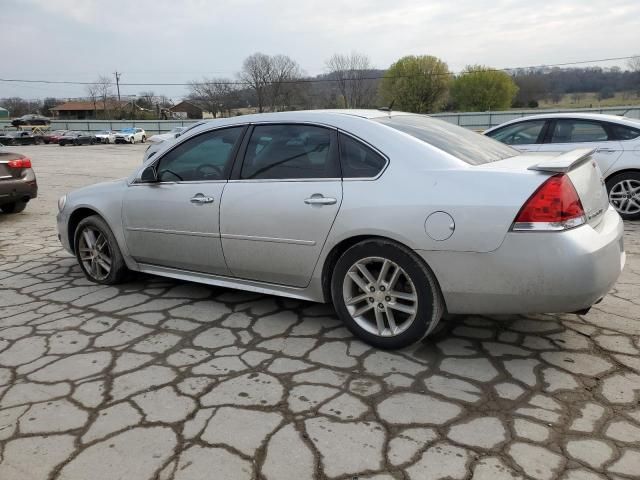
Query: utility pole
<point x="117" y="74"/>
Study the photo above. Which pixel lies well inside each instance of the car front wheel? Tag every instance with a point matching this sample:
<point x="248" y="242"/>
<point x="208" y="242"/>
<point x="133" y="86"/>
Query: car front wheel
<point x="98" y="253"/>
<point x="624" y="194"/>
<point x="385" y="294"/>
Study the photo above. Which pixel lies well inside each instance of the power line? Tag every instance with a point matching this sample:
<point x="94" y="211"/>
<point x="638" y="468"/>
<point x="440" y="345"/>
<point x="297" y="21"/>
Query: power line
<point x="316" y="80"/>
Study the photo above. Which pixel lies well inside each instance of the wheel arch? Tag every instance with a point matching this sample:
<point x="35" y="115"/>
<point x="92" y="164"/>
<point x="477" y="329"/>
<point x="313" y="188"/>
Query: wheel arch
<point x="342" y="246"/>
<point x="619" y="172"/>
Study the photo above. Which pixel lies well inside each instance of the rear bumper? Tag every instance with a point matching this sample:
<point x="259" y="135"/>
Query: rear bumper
<point x="20" y="189"/>
<point x="550" y="272"/>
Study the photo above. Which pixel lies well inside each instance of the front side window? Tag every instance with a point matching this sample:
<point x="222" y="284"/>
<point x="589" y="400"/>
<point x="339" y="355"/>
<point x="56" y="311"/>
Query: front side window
<point x="205" y="157"/>
<point x="358" y="160"/>
<point x="525" y="133"/>
<point x="279" y="152"/>
<point x="578" y="131"/>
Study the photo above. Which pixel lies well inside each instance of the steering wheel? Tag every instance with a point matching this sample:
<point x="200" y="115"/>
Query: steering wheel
<point x="201" y="171"/>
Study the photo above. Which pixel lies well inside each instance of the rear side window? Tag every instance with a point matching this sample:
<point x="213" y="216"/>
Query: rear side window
<point x="578" y="131"/>
<point x="280" y="152"/>
<point x="358" y="160"/>
<point x="524" y="133"/>
<point x="470" y="147"/>
<point x="622" y="132"/>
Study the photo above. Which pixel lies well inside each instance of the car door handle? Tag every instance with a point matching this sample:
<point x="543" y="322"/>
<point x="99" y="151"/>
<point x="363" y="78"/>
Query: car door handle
<point x="318" y="199"/>
<point x="605" y="150"/>
<point x="200" y="199"/>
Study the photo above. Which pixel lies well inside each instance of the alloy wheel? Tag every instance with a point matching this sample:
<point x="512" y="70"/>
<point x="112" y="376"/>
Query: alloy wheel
<point x="625" y="196"/>
<point x="380" y="296"/>
<point x="95" y="253"/>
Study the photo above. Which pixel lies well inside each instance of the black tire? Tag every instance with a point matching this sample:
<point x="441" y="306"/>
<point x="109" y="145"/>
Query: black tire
<point x="118" y="267"/>
<point x="430" y="305"/>
<point x="634" y="178"/>
<point x="93" y="141"/>
<point x="132" y="141"/>
<point x="62" y="144"/>
<point x="15" y="207"/>
<point x="144" y="139"/>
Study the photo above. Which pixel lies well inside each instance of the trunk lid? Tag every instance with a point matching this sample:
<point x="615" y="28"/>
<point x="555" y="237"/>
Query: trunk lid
<point x="7" y="173"/>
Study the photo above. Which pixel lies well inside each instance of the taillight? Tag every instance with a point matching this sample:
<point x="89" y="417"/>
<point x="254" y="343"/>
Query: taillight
<point x="19" y="163"/>
<point x="555" y="205"/>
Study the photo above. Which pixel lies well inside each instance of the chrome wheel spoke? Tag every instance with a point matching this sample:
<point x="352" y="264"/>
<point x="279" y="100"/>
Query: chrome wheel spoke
<point x="358" y="281"/>
<point x="365" y="273"/>
<point x="410" y="297"/>
<point x="379" y="321"/>
<point x="394" y="276"/>
<point x="384" y="271"/>
<point x="403" y="308"/>
<point x="357" y="299"/>
<point x="89" y="238"/>
<point x="363" y="309"/>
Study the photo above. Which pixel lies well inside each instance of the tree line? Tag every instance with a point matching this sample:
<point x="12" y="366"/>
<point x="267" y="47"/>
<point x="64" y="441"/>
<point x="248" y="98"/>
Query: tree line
<point x="414" y="83"/>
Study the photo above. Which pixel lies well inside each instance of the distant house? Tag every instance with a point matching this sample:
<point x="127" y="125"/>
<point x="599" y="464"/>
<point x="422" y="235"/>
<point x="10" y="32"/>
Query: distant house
<point x="4" y="113"/>
<point x="85" y="110"/>
<point x="186" y="109"/>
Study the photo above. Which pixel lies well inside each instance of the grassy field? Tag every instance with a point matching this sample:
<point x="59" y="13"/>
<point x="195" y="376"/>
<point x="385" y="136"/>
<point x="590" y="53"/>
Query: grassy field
<point x="590" y="100"/>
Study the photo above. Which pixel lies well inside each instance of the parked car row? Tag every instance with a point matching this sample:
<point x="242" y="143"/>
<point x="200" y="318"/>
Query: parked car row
<point x="73" y="137"/>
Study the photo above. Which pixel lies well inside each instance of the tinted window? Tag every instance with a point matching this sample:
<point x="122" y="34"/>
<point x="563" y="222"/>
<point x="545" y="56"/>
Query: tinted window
<point x="468" y="146"/>
<point x="576" y="131"/>
<point x="205" y="157"/>
<point x="358" y="160"/>
<point x="290" y="151"/>
<point x="621" y="132"/>
<point x="524" y="133"/>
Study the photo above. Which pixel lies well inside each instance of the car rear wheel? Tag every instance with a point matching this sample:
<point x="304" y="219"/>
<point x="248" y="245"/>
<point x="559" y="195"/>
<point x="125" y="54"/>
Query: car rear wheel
<point x="98" y="253"/>
<point x="132" y="140"/>
<point x="144" y="139"/>
<point x="624" y="194"/>
<point x="385" y="294"/>
<point x="15" y="207"/>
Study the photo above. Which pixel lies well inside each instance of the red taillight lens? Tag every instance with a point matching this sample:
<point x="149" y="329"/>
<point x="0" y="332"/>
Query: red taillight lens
<point x="554" y="206"/>
<point x="19" y="163"/>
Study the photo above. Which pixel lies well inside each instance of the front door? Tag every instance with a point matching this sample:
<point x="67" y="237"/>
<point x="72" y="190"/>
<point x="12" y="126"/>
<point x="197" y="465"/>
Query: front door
<point x="276" y="215"/>
<point x="175" y="221"/>
<point x="524" y="136"/>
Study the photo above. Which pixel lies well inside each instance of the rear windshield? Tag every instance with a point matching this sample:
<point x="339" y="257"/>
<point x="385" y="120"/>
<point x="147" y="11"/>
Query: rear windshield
<point x="464" y="144"/>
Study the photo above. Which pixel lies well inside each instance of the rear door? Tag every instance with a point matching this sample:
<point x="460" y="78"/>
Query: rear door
<point x="280" y="204"/>
<point x="525" y="136"/>
<point x="566" y="134"/>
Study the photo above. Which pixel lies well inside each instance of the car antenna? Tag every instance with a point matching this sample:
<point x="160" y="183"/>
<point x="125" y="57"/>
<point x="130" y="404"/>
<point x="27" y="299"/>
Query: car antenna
<point x="388" y="109"/>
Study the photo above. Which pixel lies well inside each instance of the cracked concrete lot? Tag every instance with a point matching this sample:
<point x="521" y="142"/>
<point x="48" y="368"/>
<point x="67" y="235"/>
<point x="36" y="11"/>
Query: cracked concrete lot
<point x="161" y="379"/>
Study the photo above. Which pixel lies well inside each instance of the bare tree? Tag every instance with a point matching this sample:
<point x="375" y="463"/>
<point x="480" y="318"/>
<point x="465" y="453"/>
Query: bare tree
<point x="104" y="91"/>
<point x="257" y="74"/>
<point x="284" y="72"/>
<point x="94" y="94"/>
<point x="215" y="95"/>
<point x="634" y="63"/>
<point x="352" y="73"/>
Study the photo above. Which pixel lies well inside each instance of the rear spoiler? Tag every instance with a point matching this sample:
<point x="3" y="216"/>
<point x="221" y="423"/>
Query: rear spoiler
<point x="565" y="161"/>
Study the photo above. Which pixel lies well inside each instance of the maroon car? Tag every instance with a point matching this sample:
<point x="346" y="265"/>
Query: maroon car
<point x="17" y="182"/>
<point x="53" y="137"/>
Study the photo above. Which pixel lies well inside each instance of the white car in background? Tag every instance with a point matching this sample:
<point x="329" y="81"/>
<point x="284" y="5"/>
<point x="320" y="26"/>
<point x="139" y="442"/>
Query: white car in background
<point x="616" y="141"/>
<point x="131" y="135"/>
<point x="106" y="136"/>
<point x="173" y="133"/>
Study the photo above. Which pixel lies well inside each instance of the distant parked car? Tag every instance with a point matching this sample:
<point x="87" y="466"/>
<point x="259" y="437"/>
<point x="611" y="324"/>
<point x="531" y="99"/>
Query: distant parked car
<point x="131" y="135"/>
<point x="106" y="136"/>
<point x="77" y="138"/>
<point x="615" y="139"/>
<point x="17" y="182"/>
<point x="30" y="119"/>
<point x="19" y="138"/>
<point x="54" y="136"/>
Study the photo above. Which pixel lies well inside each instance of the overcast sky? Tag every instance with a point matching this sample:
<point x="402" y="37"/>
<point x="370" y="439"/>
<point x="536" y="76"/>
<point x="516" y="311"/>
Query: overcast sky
<point x="178" y="41"/>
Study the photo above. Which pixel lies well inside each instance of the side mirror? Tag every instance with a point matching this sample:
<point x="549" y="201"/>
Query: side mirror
<point x="176" y="135"/>
<point x="149" y="175"/>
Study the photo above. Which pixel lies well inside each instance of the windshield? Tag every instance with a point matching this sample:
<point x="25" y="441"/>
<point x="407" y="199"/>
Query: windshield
<point x="468" y="146"/>
<point x="128" y="130"/>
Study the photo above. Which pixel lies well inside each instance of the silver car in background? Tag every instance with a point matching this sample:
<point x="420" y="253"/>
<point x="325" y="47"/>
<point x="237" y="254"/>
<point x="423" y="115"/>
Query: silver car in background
<point x="616" y="141"/>
<point x="394" y="218"/>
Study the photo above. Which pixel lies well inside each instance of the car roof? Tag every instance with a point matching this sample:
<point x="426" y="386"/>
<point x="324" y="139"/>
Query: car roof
<point x="630" y="122"/>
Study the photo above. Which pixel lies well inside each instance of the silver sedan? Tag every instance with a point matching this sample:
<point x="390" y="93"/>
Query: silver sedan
<point x="395" y="218"/>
